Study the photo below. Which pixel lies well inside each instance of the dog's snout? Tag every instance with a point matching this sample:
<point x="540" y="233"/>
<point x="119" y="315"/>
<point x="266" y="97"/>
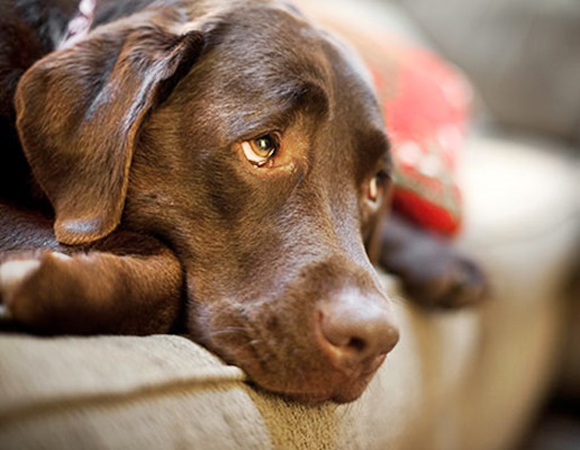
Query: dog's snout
<point x="355" y="331"/>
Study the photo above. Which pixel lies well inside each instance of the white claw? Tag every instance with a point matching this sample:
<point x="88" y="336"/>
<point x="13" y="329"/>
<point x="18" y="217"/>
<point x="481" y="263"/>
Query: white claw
<point x="61" y="256"/>
<point x="13" y="273"/>
<point x="4" y="313"/>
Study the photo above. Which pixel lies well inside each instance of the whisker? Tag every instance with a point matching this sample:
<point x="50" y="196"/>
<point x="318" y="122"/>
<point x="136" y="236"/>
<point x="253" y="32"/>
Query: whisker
<point x="229" y="330"/>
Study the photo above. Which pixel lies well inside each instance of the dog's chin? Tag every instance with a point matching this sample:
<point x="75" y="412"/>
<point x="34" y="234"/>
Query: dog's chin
<point x="316" y="393"/>
<point x="324" y="384"/>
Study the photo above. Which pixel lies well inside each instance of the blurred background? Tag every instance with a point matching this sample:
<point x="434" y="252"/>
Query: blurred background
<point x="522" y="58"/>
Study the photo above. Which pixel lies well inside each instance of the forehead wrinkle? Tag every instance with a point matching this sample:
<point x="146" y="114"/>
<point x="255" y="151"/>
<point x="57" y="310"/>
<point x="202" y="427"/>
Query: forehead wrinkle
<point x="372" y="152"/>
<point x="379" y="146"/>
<point x="265" y="86"/>
<point x="258" y="33"/>
<point x="282" y="109"/>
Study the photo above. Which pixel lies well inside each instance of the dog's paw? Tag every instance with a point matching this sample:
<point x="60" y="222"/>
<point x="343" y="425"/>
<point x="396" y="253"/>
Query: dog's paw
<point x="445" y="279"/>
<point x="434" y="273"/>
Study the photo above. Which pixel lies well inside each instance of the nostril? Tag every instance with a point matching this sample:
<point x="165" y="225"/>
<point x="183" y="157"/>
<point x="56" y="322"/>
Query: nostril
<point x="357" y="344"/>
<point x="340" y="338"/>
<point x="354" y="331"/>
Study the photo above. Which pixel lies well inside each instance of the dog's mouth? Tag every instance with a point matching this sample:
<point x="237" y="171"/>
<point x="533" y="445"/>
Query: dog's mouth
<point x="310" y="386"/>
<point x="279" y="361"/>
<point x="330" y="385"/>
<point x="346" y="391"/>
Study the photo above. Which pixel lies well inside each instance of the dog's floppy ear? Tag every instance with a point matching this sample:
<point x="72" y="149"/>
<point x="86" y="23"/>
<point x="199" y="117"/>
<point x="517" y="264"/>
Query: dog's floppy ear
<point x="79" y="111"/>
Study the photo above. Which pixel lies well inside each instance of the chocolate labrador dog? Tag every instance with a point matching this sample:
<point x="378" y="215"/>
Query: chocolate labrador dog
<point x="214" y="167"/>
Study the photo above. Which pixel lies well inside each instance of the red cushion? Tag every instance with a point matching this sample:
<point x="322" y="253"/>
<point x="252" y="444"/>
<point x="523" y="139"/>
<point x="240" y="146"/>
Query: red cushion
<point x="426" y="104"/>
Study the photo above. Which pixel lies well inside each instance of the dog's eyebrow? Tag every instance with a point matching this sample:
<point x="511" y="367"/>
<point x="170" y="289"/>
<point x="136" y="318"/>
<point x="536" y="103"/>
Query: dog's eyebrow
<point x="377" y="142"/>
<point x="375" y="148"/>
<point x="312" y="97"/>
<point x="283" y="105"/>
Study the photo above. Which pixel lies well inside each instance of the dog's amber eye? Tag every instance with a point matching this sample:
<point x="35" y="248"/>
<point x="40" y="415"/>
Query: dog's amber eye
<point x="376" y="186"/>
<point x="261" y="149"/>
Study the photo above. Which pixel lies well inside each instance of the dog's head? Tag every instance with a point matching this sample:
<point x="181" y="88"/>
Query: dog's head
<point x="251" y="143"/>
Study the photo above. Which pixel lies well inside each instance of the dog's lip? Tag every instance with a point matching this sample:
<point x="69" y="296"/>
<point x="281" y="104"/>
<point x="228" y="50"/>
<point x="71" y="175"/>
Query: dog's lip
<point x="344" y="389"/>
<point x="347" y="391"/>
<point x="356" y="386"/>
<point x="374" y="365"/>
<point x="342" y="386"/>
<point x="364" y="369"/>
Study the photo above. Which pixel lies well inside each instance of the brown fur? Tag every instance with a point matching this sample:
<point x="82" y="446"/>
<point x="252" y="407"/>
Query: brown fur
<point x="134" y="136"/>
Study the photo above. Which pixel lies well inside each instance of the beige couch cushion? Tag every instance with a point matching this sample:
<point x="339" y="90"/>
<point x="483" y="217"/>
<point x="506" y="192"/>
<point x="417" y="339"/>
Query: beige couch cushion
<point x="122" y="392"/>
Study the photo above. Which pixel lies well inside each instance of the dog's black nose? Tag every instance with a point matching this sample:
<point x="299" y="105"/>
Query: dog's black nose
<point x="355" y="331"/>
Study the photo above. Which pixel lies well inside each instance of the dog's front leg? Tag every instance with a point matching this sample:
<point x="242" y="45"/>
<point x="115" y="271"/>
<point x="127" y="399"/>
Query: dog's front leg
<point x="433" y="272"/>
<point x="125" y="284"/>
